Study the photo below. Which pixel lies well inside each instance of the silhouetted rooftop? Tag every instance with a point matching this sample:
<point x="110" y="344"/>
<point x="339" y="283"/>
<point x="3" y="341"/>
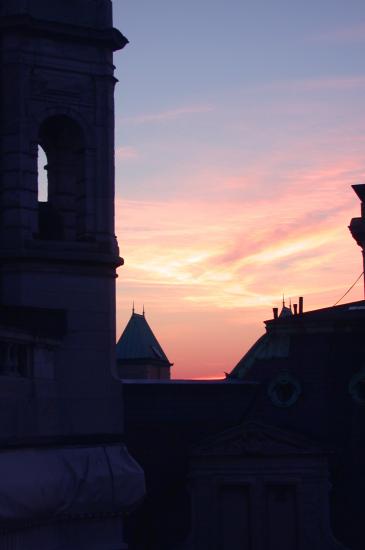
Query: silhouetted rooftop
<point x="352" y="310"/>
<point x="138" y="342"/>
<point x="289" y="339"/>
<point x="285" y="312"/>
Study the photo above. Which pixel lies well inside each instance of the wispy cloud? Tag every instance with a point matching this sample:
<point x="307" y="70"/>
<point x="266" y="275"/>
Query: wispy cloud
<point x="233" y="255"/>
<point x="169" y="114"/>
<point x="331" y="83"/>
<point x="199" y="267"/>
<point x="313" y="84"/>
<point x="233" y="227"/>
<point x="348" y="34"/>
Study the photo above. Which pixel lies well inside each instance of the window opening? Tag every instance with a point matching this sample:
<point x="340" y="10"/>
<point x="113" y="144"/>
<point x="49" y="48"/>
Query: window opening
<point x="61" y="180"/>
<point x="42" y="176"/>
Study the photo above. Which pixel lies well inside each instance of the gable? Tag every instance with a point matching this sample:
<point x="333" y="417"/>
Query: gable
<point x="255" y="439"/>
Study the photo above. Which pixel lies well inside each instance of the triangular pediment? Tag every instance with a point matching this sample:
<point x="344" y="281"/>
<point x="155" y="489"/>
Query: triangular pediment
<point x="256" y="439"/>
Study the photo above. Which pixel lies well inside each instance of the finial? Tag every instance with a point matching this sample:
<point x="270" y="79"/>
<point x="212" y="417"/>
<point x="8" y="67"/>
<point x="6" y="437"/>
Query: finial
<point x="283" y="300"/>
<point x="143" y="312"/>
<point x="133" y="308"/>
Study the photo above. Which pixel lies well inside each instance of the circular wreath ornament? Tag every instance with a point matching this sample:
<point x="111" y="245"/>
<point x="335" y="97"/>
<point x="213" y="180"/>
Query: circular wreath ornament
<point x="357" y="387"/>
<point x="284" y="390"/>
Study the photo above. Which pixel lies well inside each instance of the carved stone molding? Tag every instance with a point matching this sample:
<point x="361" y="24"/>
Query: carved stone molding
<point x="256" y="439"/>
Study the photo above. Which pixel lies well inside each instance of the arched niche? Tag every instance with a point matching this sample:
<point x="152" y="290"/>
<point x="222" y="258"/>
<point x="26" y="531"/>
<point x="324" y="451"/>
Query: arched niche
<point x="62" y="215"/>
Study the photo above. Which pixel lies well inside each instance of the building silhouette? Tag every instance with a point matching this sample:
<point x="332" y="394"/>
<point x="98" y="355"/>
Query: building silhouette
<point x="67" y="477"/>
<point x="139" y="354"/>
<point x="271" y="457"/>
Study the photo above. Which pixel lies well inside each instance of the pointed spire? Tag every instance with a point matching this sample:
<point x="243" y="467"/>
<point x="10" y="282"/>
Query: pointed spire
<point x="285" y="311"/>
<point x="139" y="342"/>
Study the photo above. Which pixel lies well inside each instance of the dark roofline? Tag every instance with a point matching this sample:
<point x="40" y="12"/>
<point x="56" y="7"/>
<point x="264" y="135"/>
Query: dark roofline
<point x="177" y="382"/>
<point x="142" y="360"/>
<point x="352" y="312"/>
<point x="108" y="36"/>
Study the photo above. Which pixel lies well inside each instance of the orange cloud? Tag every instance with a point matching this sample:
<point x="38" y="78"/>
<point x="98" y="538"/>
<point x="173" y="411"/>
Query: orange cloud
<point x="212" y="256"/>
<point x="209" y="262"/>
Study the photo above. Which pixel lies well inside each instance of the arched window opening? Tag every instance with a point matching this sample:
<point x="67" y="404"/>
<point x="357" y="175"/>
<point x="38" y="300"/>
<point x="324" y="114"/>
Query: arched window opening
<point x="62" y="214"/>
<point x="42" y="176"/>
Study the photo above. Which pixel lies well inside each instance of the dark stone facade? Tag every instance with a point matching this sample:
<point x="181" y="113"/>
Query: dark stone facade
<point x="281" y="437"/>
<point x="67" y="477"/>
<point x="247" y="462"/>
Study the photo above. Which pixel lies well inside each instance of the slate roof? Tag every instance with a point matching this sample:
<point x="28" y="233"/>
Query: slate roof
<point x="312" y="335"/>
<point x="285" y="312"/>
<point x="139" y="343"/>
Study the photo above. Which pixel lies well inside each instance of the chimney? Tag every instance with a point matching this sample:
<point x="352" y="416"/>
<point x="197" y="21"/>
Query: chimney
<point x="276" y="312"/>
<point x="295" y="306"/>
<point x="300" y="305"/>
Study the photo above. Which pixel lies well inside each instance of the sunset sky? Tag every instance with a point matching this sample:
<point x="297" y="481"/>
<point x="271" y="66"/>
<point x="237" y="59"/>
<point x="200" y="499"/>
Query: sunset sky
<point x="240" y="128"/>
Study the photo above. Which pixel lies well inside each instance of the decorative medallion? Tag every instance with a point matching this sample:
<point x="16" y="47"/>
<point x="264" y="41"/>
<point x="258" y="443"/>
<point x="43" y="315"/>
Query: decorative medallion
<point x="284" y="390"/>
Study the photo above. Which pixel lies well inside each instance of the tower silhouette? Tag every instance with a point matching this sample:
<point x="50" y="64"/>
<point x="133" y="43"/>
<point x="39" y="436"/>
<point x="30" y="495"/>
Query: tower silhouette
<point x="61" y="255"/>
<point x="58" y="260"/>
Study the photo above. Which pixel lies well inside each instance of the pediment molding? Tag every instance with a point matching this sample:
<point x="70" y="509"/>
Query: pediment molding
<point x="256" y="439"/>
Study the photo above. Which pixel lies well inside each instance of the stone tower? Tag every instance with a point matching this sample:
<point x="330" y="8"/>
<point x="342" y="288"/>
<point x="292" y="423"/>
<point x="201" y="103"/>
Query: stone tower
<point x="61" y="255"/>
<point x="58" y="260"/>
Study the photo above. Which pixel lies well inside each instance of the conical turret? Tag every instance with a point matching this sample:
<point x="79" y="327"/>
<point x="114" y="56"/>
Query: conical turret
<point x="139" y="354"/>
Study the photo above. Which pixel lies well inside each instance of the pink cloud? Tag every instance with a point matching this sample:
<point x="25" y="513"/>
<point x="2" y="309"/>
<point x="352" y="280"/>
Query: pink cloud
<point x="209" y="263"/>
<point x="194" y="260"/>
<point x="313" y="84"/>
<point x="351" y="34"/>
<point x="337" y="83"/>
